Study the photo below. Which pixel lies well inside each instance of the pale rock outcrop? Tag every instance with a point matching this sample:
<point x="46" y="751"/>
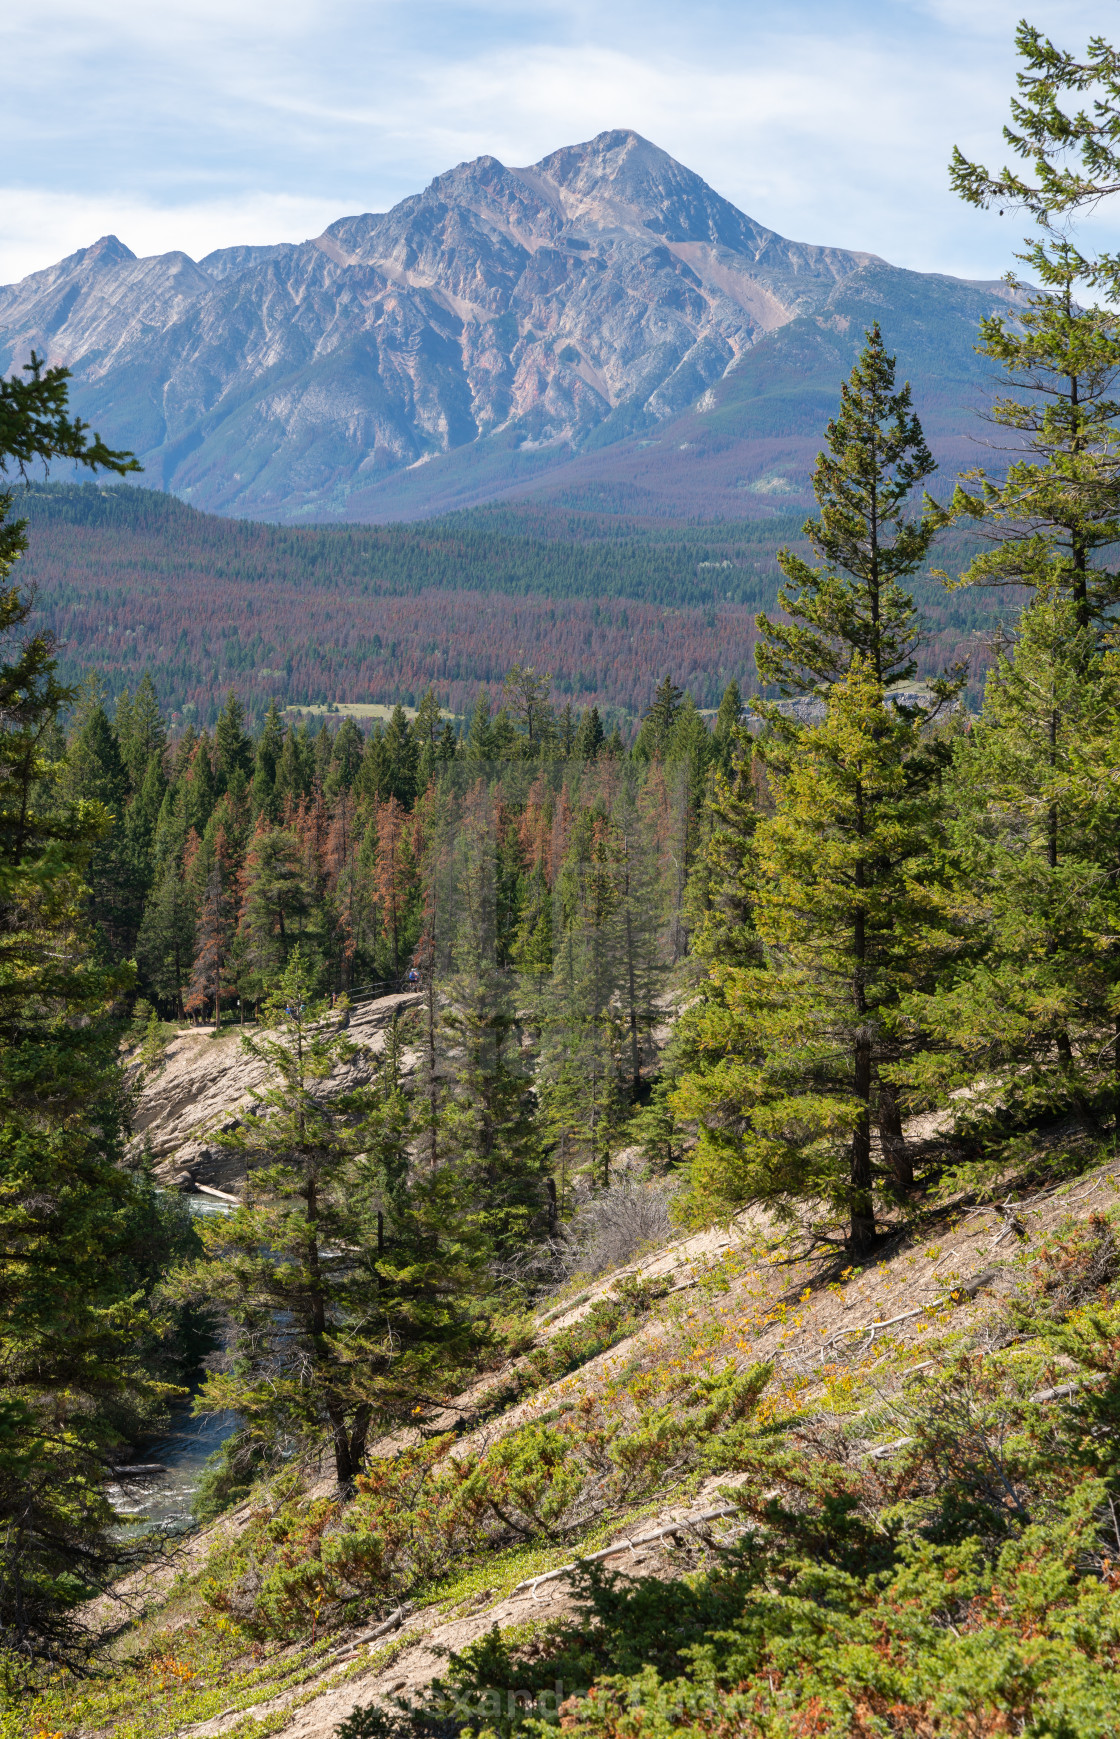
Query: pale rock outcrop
<point x="204" y="1086"/>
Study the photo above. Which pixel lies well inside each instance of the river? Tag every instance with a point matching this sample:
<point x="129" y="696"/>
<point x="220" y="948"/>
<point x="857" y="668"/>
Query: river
<point x="163" y="1499"/>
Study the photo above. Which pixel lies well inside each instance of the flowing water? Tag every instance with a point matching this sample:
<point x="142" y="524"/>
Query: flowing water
<point x="163" y="1499"/>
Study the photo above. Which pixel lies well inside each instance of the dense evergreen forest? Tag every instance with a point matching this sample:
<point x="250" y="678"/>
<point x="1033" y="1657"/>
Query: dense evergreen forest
<point x="131" y="580"/>
<point x="736" y="958"/>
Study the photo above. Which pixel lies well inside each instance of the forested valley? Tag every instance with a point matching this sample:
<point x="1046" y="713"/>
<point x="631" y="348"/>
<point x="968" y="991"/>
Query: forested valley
<point x="130" y="580"/>
<point x="686" y="1317"/>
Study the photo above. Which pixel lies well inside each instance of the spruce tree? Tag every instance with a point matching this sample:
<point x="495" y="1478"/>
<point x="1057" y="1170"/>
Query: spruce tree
<point x="273" y="911"/>
<point x="479" y="745"/>
<point x="1052" y="515"/>
<point x="589" y="737"/>
<point x="1073" y="157"/>
<point x="117" y="875"/>
<point x="1026" y="1011"/>
<point x="212" y="972"/>
<point x="142" y="819"/>
<point x="488" y="1119"/>
<point x="853" y="605"/>
<point x="165" y="946"/>
<point x="402" y="758"/>
<point x="347" y="748"/>
<point x="332" y="1331"/>
<point x="393" y="883"/>
<point x="201" y="787"/>
<point x="233" y="748"/>
<point x="729" y="719"/>
<point x="584" y="1041"/>
<point x="73" y="1322"/>
<point x="140" y="731"/>
<point x="793" y="1057"/>
<point x="295" y="768"/>
<point x="270" y="745"/>
<point x="658" y="723"/>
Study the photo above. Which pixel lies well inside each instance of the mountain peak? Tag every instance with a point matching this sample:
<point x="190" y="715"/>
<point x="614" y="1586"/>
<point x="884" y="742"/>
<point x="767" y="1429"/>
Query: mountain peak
<point x="538" y="316"/>
<point x="107" y="250"/>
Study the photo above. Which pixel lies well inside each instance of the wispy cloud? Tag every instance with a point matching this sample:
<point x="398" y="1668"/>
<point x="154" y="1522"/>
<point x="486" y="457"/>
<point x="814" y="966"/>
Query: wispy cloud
<point x="37" y="228"/>
<point x="196" y="123"/>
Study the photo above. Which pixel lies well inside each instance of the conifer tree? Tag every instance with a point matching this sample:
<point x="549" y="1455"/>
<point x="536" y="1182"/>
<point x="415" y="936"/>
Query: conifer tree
<point x="723" y="890"/>
<point x="142" y="818"/>
<point x="140" y="731"/>
<point x="488" y="1121"/>
<point x="527" y="697"/>
<point x="332" y="1331"/>
<point x="323" y="748"/>
<point x="583" y="1041"/>
<point x="854" y="604"/>
<point x="589" y="736"/>
<point x="435" y="850"/>
<point x="1054" y="514"/>
<point x="346" y="758"/>
<point x="270" y="746"/>
<point x="640" y="965"/>
<point x="373" y="774"/>
<point x="687" y="754"/>
<point x="295" y="768"/>
<point x="426" y="730"/>
<point x="273" y="910"/>
<point x="479" y="745"/>
<point x="345" y="895"/>
<point x="165" y="946"/>
<point x="794" y="1054"/>
<point x="200" y="786"/>
<point x="401" y="757"/>
<point x="233" y="749"/>
<point x="1026" y="1012"/>
<point x="393" y="881"/>
<point x="212" y="974"/>
<point x="729" y="718"/>
<point x="1073" y="156"/>
<point x="72" y="1315"/>
<point x="659" y="722"/>
<point x="117" y="875"/>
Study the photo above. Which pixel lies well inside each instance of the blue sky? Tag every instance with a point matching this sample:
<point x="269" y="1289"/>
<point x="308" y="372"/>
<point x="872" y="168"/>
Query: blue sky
<point x="199" y="123"/>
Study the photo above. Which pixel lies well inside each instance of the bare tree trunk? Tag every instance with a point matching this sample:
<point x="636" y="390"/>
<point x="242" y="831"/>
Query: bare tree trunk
<point x="895" y="1152"/>
<point x="862" y="1209"/>
<point x="635" y="1057"/>
<point x="862" y="1235"/>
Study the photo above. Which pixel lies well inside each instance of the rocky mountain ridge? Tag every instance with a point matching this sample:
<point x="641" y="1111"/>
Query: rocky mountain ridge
<point x="506" y="320"/>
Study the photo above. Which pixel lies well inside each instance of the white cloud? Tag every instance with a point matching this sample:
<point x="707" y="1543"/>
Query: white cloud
<point x="197" y="123"/>
<point x="39" y="227"/>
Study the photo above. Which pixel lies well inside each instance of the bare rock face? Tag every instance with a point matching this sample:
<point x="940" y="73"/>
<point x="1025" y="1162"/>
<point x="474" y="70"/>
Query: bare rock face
<point x="204" y="1088"/>
<point x="561" y="307"/>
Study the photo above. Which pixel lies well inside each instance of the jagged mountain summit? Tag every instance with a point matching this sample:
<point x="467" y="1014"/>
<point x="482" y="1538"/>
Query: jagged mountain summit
<point x="600" y="321"/>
